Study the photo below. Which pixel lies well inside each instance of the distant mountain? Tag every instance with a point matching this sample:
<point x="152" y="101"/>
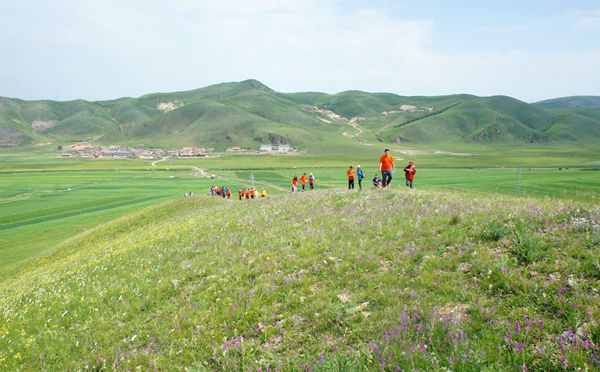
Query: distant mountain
<point x="249" y="113"/>
<point x="574" y="102"/>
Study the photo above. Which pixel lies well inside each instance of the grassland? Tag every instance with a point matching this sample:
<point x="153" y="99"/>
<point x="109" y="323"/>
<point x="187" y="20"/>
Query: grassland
<point x="46" y="200"/>
<point x="324" y="281"/>
<point x="491" y="264"/>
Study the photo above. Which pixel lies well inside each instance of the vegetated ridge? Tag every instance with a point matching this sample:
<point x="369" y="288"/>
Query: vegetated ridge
<point x="248" y="113"/>
<point x="318" y="281"/>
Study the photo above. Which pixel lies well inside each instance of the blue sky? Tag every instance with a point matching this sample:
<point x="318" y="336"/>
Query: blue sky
<point x="94" y="50"/>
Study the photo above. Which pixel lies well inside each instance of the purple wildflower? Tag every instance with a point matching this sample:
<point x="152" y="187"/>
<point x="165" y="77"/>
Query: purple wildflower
<point x="524" y="368"/>
<point x="520" y="346"/>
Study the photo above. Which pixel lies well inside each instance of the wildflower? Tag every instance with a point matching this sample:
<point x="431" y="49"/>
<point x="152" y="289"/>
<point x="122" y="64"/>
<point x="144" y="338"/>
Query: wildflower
<point x="520" y="346"/>
<point x="524" y="368"/>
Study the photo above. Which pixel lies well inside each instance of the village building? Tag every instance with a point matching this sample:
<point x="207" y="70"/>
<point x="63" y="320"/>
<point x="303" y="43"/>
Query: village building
<point x="284" y="148"/>
<point x="266" y="149"/>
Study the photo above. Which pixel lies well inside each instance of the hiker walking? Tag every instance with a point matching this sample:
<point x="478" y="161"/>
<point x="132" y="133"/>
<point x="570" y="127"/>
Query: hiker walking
<point x="351" y="172"/>
<point x="311" y="181"/>
<point x="295" y="184"/>
<point x="409" y="174"/>
<point x="240" y="193"/>
<point x="360" y="175"/>
<point x="387" y="168"/>
<point x="303" y="181"/>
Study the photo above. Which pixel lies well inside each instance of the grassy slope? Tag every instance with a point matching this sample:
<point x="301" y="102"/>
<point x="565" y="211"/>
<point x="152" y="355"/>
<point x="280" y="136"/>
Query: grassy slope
<point x="336" y="280"/>
<point x="244" y="119"/>
<point x="249" y="113"/>
<point x="586" y="102"/>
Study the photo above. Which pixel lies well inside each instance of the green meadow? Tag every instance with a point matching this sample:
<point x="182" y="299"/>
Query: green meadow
<point x="490" y="264"/>
<point x="46" y="200"/>
<point x="329" y="281"/>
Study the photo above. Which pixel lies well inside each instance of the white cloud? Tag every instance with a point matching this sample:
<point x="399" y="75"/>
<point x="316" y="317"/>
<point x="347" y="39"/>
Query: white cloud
<point x="589" y="22"/>
<point x="99" y="50"/>
<point x="585" y="19"/>
<point x="184" y="44"/>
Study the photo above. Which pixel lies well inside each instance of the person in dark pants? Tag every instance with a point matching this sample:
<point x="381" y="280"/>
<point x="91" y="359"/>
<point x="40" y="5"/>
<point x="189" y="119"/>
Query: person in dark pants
<point x="387" y="168"/>
<point x="351" y="173"/>
<point x="409" y="173"/>
<point x="311" y="181"/>
<point x="360" y="175"/>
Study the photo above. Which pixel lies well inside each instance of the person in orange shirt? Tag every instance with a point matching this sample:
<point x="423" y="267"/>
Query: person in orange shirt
<point x="295" y="184"/>
<point x="387" y="168"/>
<point x="303" y="181"/>
<point x="351" y="172"/>
<point x="241" y="193"/>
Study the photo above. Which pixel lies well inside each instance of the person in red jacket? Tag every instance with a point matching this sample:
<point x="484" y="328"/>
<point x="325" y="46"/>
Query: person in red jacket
<point x="409" y="174"/>
<point x="295" y="184"/>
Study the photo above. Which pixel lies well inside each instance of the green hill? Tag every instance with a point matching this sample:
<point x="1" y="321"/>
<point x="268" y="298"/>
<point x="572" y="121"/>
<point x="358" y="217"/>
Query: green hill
<point x="248" y="113"/>
<point x="586" y="102"/>
<point x="325" y="281"/>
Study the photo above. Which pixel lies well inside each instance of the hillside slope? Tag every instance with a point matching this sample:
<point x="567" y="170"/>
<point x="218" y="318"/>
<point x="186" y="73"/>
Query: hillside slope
<point x="248" y="113"/>
<point x="317" y="281"/>
<point x="575" y="102"/>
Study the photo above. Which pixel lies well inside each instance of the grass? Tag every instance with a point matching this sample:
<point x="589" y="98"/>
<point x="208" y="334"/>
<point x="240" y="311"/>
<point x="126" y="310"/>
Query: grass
<point x="46" y="200"/>
<point x="324" y="281"/>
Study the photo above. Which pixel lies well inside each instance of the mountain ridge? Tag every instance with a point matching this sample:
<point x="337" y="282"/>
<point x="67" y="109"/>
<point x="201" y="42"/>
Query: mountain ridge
<point x="248" y="113"/>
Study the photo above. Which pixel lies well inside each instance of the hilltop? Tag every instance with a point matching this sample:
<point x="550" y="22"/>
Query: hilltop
<point x="322" y="281"/>
<point x="249" y="113"/>
<point x="574" y="102"/>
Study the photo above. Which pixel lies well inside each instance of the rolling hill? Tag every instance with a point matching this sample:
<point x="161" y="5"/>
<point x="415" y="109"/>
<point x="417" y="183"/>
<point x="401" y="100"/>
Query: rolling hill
<point x="207" y="284"/>
<point x="586" y="102"/>
<point x="249" y="113"/>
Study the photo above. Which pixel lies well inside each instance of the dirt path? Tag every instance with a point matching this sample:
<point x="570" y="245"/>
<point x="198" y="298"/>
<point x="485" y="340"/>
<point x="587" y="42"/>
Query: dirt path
<point x="158" y="161"/>
<point x="357" y="128"/>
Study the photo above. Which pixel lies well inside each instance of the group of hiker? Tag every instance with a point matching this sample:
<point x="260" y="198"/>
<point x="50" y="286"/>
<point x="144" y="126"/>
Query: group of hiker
<point x="243" y="194"/>
<point x="387" y="168"/>
<point x="310" y="178"/>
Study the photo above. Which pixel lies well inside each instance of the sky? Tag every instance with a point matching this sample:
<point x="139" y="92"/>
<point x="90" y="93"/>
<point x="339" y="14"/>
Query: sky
<point x="96" y="50"/>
